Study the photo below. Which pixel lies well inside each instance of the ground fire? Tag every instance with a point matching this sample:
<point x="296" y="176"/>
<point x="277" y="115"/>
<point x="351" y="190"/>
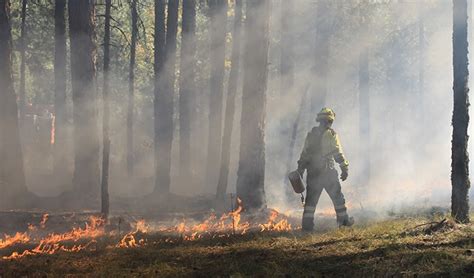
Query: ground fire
<point x="236" y="138"/>
<point x="85" y="238"/>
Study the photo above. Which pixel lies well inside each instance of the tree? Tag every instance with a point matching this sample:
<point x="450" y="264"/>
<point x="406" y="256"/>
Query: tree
<point x="364" y="100"/>
<point x="230" y="102"/>
<point x="251" y="172"/>
<point x="164" y="91"/>
<point x="218" y="12"/>
<point x="287" y="74"/>
<point x="22" y="94"/>
<point x="60" y="160"/>
<point x="460" y="160"/>
<point x="105" y="120"/>
<point x="131" y="87"/>
<point x="12" y="177"/>
<point x="86" y="140"/>
<point x="321" y="64"/>
<point x="421" y="63"/>
<point x="186" y="85"/>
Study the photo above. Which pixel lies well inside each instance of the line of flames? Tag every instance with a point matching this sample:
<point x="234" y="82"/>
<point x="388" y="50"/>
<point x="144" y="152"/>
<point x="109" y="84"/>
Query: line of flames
<point x="212" y="227"/>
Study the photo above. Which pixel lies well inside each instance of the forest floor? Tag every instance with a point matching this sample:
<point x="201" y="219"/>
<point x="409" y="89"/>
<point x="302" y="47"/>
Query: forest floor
<point x="398" y="247"/>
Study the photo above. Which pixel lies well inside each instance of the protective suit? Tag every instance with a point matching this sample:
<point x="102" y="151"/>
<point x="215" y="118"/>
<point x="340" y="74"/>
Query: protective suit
<point x="321" y="150"/>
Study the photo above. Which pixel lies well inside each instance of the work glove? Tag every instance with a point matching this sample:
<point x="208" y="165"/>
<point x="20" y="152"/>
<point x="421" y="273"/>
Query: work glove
<point x="344" y="172"/>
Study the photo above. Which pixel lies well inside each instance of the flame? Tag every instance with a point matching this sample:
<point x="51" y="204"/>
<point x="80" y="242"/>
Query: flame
<point x="226" y="225"/>
<point x="274" y="225"/>
<point x="12" y="240"/>
<point x="53" y="129"/>
<point x="53" y="242"/>
<point x="44" y="220"/>
<point x="129" y="240"/>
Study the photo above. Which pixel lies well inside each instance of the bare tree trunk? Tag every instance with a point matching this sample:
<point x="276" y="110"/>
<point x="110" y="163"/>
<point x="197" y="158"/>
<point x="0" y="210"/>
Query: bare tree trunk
<point x="187" y="85"/>
<point x="321" y="65"/>
<point x="164" y="95"/>
<point x="105" y="207"/>
<point x="86" y="139"/>
<point x="364" y="104"/>
<point x="287" y="64"/>
<point x="421" y="65"/>
<point x="230" y="102"/>
<point x="22" y="94"/>
<point x="218" y="11"/>
<point x="12" y="177"/>
<point x="60" y="158"/>
<point x="131" y="87"/>
<point x="291" y="148"/>
<point x="251" y="173"/>
<point x="460" y="159"/>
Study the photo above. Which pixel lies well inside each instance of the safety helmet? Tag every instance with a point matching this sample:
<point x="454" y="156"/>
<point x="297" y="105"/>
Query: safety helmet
<point x="326" y="114"/>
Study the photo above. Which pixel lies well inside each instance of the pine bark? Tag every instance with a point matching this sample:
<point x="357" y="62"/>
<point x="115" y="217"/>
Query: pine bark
<point x="12" y="177"/>
<point x="131" y="88"/>
<point x="251" y="172"/>
<point x="460" y="160"/>
<point x="86" y="140"/>
<point x="60" y="79"/>
<point x="186" y="86"/>
<point x="105" y="207"/>
<point x="22" y="93"/>
<point x="164" y="93"/>
<point x="230" y="102"/>
<point x="218" y="12"/>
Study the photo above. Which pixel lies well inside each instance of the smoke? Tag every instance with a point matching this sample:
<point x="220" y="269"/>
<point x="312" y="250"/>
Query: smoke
<point x="409" y="140"/>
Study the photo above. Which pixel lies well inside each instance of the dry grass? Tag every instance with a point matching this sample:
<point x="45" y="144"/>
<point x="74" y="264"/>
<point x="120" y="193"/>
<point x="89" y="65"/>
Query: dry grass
<point x="383" y="249"/>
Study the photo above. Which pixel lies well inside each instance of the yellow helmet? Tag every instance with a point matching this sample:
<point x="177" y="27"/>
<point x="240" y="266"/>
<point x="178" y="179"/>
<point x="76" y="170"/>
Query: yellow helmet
<point x="326" y="114"/>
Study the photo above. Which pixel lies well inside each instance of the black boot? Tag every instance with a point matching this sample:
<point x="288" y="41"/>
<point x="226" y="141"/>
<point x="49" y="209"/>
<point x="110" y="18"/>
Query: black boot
<point x="345" y="222"/>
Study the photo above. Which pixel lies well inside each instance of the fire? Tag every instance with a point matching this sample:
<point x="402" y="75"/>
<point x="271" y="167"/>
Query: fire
<point x="274" y="225"/>
<point x="228" y="224"/>
<point x="129" y="240"/>
<point x="18" y="238"/>
<point x="44" y="220"/>
<point x="53" y="129"/>
<point x="53" y="242"/>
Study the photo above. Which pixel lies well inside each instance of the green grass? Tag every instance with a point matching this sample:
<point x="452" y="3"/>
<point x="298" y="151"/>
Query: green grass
<point x="383" y="249"/>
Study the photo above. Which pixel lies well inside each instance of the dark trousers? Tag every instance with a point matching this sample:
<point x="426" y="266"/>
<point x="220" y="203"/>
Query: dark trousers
<point x="316" y="182"/>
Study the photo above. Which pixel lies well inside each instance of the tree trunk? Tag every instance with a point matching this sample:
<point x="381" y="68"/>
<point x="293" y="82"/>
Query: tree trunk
<point x="12" y="177"/>
<point x="460" y="160"/>
<point x="218" y="11"/>
<point x="86" y="140"/>
<point x="287" y="64"/>
<point x="187" y="85"/>
<point x="364" y="104"/>
<point x="230" y="102"/>
<point x="164" y="92"/>
<point x="105" y="124"/>
<point x="320" y="68"/>
<point x="251" y="173"/>
<point x="60" y="158"/>
<point x="22" y="95"/>
<point x="421" y="64"/>
<point x="289" y="193"/>
<point x="131" y="87"/>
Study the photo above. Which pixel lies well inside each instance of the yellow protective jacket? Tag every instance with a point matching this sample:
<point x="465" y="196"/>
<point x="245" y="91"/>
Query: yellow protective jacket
<point x="321" y="148"/>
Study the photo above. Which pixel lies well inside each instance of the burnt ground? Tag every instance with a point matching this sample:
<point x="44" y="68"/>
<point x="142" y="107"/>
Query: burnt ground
<point x="408" y="247"/>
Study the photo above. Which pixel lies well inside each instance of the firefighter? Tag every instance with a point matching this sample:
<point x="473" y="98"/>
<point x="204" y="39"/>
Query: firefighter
<point x="321" y="149"/>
